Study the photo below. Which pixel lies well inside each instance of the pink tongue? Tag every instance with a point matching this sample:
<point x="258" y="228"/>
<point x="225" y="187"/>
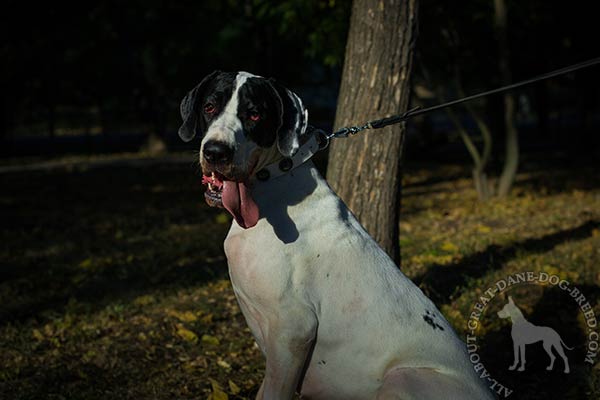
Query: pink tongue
<point x="238" y="201"/>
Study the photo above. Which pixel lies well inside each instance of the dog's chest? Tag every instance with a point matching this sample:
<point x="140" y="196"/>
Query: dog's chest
<point x="256" y="266"/>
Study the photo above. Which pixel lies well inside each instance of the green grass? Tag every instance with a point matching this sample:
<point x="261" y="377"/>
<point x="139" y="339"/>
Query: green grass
<point x="113" y="282"/>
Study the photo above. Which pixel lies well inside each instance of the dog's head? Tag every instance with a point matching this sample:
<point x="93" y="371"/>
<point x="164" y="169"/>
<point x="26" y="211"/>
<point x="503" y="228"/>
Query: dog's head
<point x="246" y="122"/>
<point x="508" y="309"/>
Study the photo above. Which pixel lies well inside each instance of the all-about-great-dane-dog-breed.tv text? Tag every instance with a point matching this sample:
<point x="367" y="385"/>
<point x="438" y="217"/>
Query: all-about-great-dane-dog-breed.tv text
<point x="331" y="312"/>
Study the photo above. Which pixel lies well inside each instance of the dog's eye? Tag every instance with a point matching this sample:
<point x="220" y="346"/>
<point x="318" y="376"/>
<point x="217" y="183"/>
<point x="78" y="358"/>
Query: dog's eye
<point x="254" y="116"/>
<point x="209" y="108"/>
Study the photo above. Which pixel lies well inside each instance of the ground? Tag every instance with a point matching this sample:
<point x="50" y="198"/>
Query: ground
<point x="113" y="282"/>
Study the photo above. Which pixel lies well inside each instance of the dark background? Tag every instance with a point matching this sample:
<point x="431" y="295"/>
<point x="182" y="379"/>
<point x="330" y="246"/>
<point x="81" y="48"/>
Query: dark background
<point x="90" y="77"/>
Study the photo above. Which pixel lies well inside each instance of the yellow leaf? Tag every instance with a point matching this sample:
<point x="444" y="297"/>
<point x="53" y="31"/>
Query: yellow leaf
<point x="143" y="300"/>
<point x="233" y="388"/>
<point x="484" y="229"/>
<point x="405" y="226"/>
<point x="208" y="339"/>
<point x="449" y="247"/>
<point x="223" y="364"/>
<point x="187" y="335"/>
<point x="38" y="335"/>
<point x="595" y="232"/>
<point x="86" y="263"/>
<point x="187" y="316"/>
<point x="424" y="259"/>
<point x="222" y="219"/>
<point x="207" y="319"/>
<point x="217" y="391"/>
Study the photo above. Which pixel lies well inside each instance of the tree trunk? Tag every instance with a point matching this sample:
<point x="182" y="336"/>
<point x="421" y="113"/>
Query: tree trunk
<point x="511" y="160"/>
<point x="479" y="160"/>
<point x="365" y="170"/>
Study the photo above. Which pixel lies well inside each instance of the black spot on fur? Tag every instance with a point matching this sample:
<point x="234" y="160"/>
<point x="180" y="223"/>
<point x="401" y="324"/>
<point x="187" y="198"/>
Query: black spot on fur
<point x="429" y="317"/>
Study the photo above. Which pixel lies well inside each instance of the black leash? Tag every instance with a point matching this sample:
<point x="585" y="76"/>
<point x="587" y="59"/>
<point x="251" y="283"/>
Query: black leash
<point x="380" y="123"/>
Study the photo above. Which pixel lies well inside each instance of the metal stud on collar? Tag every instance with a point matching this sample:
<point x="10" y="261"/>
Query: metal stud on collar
<point x="263" y="175"/>
<point x="283" y="166"/>
<point x="286" y="164"/>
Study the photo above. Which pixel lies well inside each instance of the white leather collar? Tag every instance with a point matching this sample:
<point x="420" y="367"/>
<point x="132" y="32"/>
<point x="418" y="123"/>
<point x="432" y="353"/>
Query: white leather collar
<point x="304" y="153"/>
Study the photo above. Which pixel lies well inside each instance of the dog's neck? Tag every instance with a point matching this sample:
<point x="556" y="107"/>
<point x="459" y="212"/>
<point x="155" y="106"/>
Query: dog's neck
<point x="274" y="165"/>
<point x="296" y="202"/>
<point x="289" y="189"/>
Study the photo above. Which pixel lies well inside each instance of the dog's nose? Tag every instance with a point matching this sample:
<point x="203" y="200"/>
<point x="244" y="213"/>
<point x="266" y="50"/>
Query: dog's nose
<point x="217" y="152"/>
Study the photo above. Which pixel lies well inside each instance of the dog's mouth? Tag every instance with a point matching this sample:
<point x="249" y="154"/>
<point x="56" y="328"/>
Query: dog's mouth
<point x="214" y="189"/>
<point x="232" y="195"/>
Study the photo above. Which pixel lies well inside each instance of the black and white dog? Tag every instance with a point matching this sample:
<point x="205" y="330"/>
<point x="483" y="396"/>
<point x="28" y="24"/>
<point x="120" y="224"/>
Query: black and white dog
<point x="333" y="315"/>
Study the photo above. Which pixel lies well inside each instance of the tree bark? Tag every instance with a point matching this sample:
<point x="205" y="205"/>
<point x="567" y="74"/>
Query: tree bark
<point x="365" y="170"/>
<point x="511" y="160"/>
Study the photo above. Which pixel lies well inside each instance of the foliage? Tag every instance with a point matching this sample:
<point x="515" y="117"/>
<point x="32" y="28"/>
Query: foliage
<point x="324" y="23"/>
<point x="127" y="65"/>
<point x="458" y="55"/>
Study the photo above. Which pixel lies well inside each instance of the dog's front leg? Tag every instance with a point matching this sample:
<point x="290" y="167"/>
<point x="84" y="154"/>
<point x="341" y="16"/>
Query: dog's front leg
<point x="288" y="347"/>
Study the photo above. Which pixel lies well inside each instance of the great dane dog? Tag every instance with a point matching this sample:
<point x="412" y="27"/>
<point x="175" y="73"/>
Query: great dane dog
<point x="331" y="312"/>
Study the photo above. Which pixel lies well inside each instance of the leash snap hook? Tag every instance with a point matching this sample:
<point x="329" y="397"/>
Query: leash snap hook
<point x="344" y="132"/>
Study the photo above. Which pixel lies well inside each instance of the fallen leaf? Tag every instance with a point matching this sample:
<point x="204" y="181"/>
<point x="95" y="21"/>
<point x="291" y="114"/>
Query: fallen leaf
<point x="208" y="339"/>
<point x="186" y="316"/>
<point x="143" y="300"/>
<point x="187" y="335"/>
<point x="207" y="319"/>
<point x="222" y="219"/>
<point x="38" y="335"/>
<point x="449" y="247"/>
<point x="484" y="229"/>
<point x="233" y="388"/>
<point x="217" y="391"/>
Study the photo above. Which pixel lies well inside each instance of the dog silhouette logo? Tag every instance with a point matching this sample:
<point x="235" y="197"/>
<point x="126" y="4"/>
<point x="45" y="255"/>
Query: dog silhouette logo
<point x="524" y="332"/>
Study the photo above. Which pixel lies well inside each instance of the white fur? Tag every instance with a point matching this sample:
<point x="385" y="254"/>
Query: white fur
<point x="330" y="310"/>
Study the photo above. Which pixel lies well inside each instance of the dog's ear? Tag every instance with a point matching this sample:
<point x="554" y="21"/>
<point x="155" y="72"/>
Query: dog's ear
<point x="294" y="119"/>
<point x="193" y="123"/>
